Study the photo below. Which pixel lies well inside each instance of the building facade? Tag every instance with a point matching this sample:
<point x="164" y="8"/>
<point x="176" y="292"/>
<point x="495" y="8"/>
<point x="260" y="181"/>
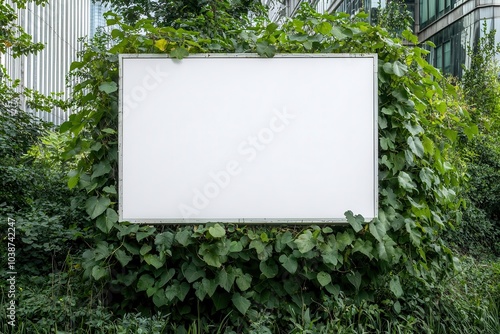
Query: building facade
<point x="59" y="26"/>
<point x="452" y="25"/>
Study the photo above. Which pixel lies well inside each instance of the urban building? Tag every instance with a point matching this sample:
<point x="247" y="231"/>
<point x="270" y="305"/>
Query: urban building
<point x="59" y="25"/>
<point x="452" y="25"/>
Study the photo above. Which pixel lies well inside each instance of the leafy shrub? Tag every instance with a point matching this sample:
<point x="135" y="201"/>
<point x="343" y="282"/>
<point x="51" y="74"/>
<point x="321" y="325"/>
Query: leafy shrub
<point x="213" y="271"/>
<point x="34" y="193"/>
<point x="479" y="233"/>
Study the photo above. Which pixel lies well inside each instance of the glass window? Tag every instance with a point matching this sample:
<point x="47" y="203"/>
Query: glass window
<point x="447" y="57"/>
<point x="439" y="57"/>
<point x="441" y="5"/>
<point x="432" y="10"/>
<point x="423" y="11"/>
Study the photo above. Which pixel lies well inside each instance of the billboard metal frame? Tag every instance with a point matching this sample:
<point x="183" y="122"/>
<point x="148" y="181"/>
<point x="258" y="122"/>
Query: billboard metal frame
<point x="298" y="221"/>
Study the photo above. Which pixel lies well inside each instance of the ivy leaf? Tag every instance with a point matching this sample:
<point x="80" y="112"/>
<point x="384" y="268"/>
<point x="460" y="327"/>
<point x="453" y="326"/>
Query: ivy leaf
<point x="102" y="168"/>
<point x="73" y="179"/>
<point x="108" y="87"/>
<point x="333" y="289"/>
<point x="150" y="230"/>
<point x="226" y="279"/>
<point x="324" y="278"/>
<point x="395" y="286"/>
<point x="151" y="290"/>
<point x="399" y="68"/>
<point x="415" y="235"/>
<point x="244" y="282"/>
<point x="289" y="263"/>
<point x="183" y="237"/>
<point x="382" y="252"/>
<point x="405" y="181"/>
<point x="102" y="251"/>
<point x="414" y="129"/>
<point x="171" y="291"/>
<point x="338" y="33"/>
<point x="470" y="131"/>
<point x="98" y="272"/>
<point x="191" y="272"/>
<point x="323" y="28"/>
<point x="344" y="239"/>
<point x="145" y="249"/>
<point x="210" y="286"/>
<point x="122" y="257"/>
<point x="165" y="238"/>
<point x="241" y="303"/>
<point x="377" y="229"/>
<point x="217" y="231"/>
<point x="105" y="224"/>
<point x="416" y="146"/>
<point x="428" y="146"/>
<point x="154" y="260"/>
<point x="305" y="242"/>
<point x="159" y="298"/>
<point x="271" y="27"/>
<point x="95" y="206"/>
<point x="235" y="247"/>
<point x="183" y="291"/>
<point x="179" y="52"/>
<point x="331" y="257"/>
<point x="282" y="240"/>
<point x="388" y="68"/>
<point x="199" y="290"/>
<point x="166" y="276"/>
<point x="110" y="190"/>
<point x="355" y="222"/>
<point x="74" y="65"/>
<point x="177" y="290"/>
<point x="269" y="268"/>
<point x="161" y="44"/>
<point x="386" y="251"/>
<point x="144" y="282"/>
<point x="264" y="49"/>
<point x="363" y="246"/>
<point x="210" y="255"/>
<point x="426" y="176"/>
<point x="355" y="279"/>
<point x="451" y="134"/>
<point x="382" y="122"/>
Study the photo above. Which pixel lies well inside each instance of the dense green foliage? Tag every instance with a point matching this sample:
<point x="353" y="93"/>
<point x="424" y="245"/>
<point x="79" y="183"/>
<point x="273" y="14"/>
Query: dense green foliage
<point x="12" y="36"/>
<point x="224" y="272"/>
<point x="35" y="196"/>
<point x="394" y="274"/>
<point x="480" y="231"/>
<point x="174" y="12"/>
<point x="395" y="17"/>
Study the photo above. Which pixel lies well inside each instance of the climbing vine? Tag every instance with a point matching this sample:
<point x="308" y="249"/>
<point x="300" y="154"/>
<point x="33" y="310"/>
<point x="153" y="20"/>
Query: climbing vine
<point x="213" y="270"/>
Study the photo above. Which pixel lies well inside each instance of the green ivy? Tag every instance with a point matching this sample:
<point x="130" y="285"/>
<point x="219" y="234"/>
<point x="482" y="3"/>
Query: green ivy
<point x="214" y="270"/>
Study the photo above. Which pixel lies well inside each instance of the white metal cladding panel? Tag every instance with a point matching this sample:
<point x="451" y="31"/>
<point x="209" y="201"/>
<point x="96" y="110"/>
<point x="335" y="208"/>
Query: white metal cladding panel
<point x="58" y="25"/>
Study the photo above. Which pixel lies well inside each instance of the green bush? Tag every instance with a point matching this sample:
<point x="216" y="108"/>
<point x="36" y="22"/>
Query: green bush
<point x="479" y="233"/>
<point x="33" y="193"/>
<point x="240" y="273"/>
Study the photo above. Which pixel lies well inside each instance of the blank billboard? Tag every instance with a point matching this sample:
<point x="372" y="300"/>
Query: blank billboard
<point x="239" y="138"/>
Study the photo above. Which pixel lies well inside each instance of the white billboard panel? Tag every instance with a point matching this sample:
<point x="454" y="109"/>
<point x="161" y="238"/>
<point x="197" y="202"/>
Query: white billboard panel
<point x="239" y="138"/>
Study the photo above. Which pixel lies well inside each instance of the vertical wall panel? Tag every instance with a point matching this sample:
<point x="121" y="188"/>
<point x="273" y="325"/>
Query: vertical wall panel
<point x="58" y="25"/>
